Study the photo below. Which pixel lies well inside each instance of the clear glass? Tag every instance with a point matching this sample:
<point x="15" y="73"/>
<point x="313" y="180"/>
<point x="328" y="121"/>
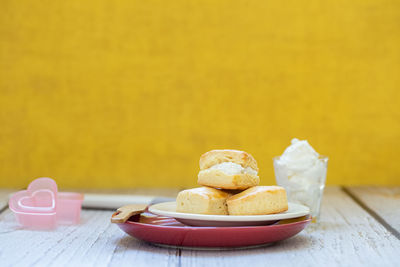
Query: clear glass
<point x="305" y="187"/>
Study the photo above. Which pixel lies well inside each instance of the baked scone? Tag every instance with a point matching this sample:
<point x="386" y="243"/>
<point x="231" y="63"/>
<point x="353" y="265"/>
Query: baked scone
<point x="202" y="200"/>
<point x="228" y="169"/>
<point x="258" y="200"/>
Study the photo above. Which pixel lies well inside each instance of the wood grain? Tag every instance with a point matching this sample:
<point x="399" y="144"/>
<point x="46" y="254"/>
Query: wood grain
<point x="346" y="236"/>
<point x="384" y="201"/>
<point x="95" y="242"/>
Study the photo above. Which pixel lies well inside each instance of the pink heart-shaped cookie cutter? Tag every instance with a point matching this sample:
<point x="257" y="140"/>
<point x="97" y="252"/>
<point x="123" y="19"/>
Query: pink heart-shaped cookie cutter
<point x="41" y="206"/>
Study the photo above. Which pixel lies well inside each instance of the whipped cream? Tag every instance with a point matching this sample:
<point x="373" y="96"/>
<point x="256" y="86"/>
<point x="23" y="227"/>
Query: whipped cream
<point x="299" y="156"/>
<point x="302" y="172"/>
<point x="231" y="168"/>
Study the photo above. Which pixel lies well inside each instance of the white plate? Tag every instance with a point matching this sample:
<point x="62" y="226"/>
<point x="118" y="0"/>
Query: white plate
<point x="169" y="209"/>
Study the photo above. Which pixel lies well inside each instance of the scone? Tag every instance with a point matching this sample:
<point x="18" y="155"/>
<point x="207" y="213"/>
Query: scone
<point x="258" y="200"/>
<point x="202" y="200"/>
<point x="228" y="169"/>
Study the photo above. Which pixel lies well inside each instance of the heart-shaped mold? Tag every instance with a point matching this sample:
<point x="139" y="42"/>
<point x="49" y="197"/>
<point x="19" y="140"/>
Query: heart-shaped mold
<point x="42" y="200"/>
<point x="41" y="205"/>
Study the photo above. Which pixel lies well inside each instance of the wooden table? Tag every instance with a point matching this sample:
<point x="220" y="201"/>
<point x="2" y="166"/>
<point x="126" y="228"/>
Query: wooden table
<point x="359" y="227"/>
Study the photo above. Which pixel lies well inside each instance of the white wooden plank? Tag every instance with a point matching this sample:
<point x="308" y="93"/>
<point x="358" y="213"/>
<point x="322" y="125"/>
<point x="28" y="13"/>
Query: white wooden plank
<point x="95" y="242"/>
<point x="113" y="199"/>
<point x="4" y="193"/>
<point x="160" y="192"/>
<point x="346" y="236"/>
<point x="384" y="201"/>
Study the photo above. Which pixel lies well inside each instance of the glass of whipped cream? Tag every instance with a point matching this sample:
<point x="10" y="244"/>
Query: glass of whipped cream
<point x="302" y="172"/>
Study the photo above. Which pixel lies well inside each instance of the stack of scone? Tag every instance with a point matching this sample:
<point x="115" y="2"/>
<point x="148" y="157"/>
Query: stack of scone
<point x="229" y="180"/>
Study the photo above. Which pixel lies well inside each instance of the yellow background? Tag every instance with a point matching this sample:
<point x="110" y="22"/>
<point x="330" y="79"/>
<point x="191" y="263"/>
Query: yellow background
<point x="131" y="93"/>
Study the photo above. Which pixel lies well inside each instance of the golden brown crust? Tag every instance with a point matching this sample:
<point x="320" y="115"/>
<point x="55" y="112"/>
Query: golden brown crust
<point x="219" y="179"/>
<point x="258" y="200"/>
<point x="214" y="157"/>
<point x="208" y="192"/>
<point x="252" y="192"/>
<point x="202" y="200"/>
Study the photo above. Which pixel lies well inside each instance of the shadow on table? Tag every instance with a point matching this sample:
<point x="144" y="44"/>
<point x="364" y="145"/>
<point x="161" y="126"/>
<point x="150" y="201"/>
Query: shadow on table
<point x="298" y="242"/>
<point x="326" y="226"/>
<point x="131" y="243"/>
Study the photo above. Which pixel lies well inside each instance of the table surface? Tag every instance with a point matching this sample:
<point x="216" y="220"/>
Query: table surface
<point x="359" y="227"/>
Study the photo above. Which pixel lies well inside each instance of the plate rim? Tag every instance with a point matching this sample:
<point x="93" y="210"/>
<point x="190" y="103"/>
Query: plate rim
<point x="306" y="220"/>
<point x="228" y="218"/>
<point x="194" y="237"/>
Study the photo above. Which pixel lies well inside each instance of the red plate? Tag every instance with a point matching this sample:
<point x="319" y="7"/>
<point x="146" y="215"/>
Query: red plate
<point x="167" y="231"/>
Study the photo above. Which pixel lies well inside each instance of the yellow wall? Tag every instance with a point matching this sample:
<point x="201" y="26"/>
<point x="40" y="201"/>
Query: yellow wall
<point x="130" y="93"/>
